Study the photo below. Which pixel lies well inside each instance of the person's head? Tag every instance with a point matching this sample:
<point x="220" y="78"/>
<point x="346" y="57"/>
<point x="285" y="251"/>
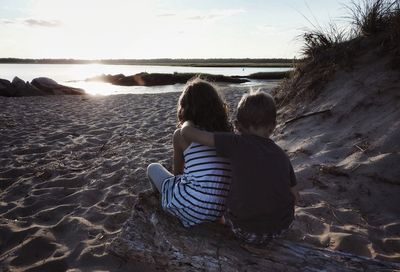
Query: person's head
<point x="201" y="104"/>
<point x="256" y="112"/>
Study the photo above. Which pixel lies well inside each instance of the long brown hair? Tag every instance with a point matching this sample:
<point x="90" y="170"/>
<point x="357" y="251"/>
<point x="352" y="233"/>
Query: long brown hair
<point x="201" y="104"/>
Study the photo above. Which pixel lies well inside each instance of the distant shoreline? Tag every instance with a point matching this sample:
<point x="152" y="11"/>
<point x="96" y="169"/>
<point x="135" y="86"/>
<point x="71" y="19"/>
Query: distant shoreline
<point x="163" y="62"/>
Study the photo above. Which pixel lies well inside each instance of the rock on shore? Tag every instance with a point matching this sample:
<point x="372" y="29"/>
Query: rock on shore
<point x="158" y="79"/>
<point x="38" y="86"/>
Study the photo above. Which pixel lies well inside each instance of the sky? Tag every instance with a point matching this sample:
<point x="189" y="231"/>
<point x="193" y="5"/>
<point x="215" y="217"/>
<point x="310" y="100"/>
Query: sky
<point x="143" y="29"/>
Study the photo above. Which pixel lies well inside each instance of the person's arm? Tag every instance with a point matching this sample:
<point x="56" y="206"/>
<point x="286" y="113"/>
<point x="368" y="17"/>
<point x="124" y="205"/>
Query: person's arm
<point x="296" y="194"/>
<point x="293" y="185"/>
<point x="178" y="153"/>
<point x="192" y="134"/>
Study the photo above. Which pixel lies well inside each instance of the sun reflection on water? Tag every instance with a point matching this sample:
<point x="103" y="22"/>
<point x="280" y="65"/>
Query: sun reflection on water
<point x="101" y="88"/>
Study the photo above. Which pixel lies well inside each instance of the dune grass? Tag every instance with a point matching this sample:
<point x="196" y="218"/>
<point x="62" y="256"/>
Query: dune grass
<point x="375" y="26"/>
<point x="374" y="17"/>
<point x="319" y="40"/>
<point x="368" y="18"/>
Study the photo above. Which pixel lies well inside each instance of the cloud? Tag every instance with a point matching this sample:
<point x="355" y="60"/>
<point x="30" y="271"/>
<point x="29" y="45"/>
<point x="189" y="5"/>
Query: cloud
<point x="42" y="23"/>
<point x="32" y="22"/>
<point x="215" y="14"/>
<point x="267" y="28"/>
<point x="278" y="29"/>
<point x="166" y="15"/>
<point x="7" y="22"/>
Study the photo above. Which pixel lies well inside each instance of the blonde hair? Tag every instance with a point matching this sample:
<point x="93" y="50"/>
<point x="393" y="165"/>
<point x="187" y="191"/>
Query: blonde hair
<point x="256" y="109"/>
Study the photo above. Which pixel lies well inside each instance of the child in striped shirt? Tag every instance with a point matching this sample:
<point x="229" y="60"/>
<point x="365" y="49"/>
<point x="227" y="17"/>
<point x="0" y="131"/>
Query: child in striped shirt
<point x="197" y="190"/>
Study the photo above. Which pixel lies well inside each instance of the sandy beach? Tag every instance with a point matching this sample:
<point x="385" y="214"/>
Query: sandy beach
<point x="71" y="168"/>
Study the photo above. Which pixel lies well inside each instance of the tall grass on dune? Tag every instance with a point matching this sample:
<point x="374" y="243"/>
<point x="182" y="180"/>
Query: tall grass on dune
<point x="368" y="18"/>
<point x="320" y="40"/>
<point x="374" y="17"/>
<point x="375" y="26"/>
<point x="378" y="20"/>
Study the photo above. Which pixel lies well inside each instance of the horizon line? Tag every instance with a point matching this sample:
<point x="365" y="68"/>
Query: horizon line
<point x="147" y="59"/>
<point x="195" y="62"/>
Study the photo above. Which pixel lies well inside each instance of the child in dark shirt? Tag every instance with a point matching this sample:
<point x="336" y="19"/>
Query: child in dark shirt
<point x="261" y="201"/>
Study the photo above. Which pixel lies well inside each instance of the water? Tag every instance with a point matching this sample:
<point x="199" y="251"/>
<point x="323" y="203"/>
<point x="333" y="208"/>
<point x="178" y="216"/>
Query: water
<point x="75" y="74"/>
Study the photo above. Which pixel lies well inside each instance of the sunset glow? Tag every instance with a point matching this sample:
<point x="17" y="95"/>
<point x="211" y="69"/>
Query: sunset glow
<point x="101" y="29"/>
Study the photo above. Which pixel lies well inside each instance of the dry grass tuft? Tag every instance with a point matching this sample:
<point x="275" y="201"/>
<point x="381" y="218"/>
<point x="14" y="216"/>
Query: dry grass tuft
<point x="318" y="42"/>
<point x="372" y="17"/>
<point x="375" y="27"/>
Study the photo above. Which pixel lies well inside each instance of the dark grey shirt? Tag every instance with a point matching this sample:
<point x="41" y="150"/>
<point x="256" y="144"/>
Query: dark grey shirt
<point x="260" y="200"/>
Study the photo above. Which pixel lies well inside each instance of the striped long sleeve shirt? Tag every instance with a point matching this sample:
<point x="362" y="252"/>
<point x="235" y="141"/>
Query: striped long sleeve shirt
<point x="200" y="193"/>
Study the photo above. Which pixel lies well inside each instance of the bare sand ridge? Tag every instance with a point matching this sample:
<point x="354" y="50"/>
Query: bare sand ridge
<point x="71" y="169"/>
<point x="347" y="157"/>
